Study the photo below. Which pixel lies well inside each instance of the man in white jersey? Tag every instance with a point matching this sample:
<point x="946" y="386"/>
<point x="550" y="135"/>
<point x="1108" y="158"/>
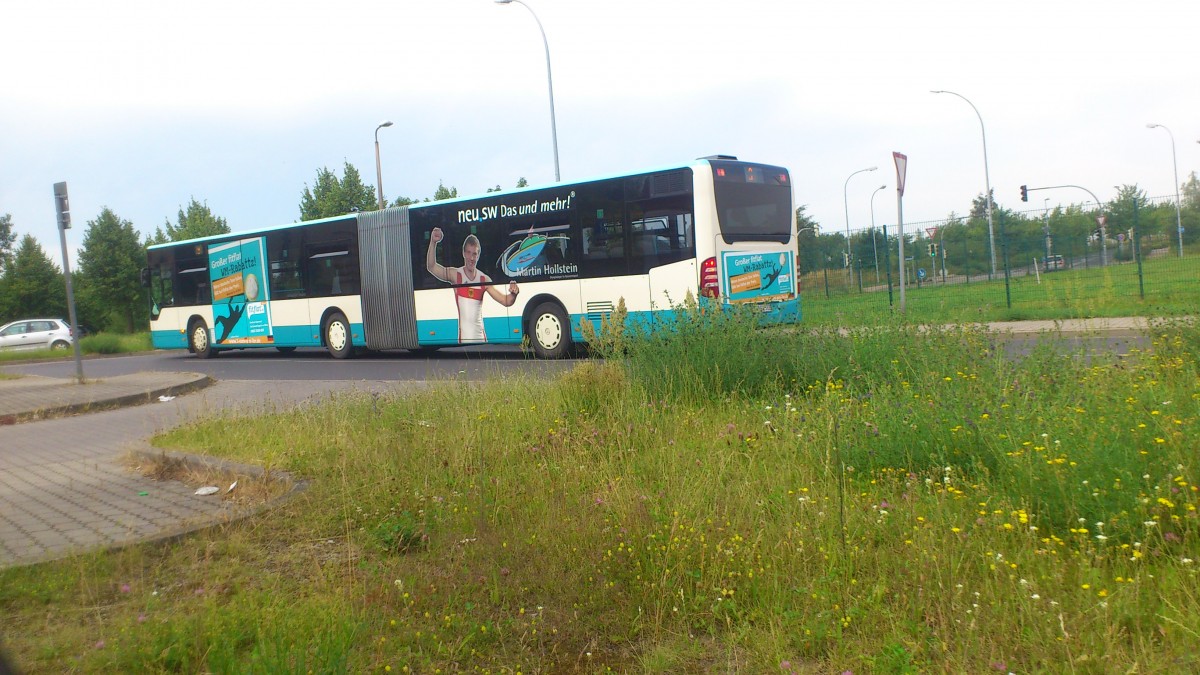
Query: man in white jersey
<point x="470" y="296"/>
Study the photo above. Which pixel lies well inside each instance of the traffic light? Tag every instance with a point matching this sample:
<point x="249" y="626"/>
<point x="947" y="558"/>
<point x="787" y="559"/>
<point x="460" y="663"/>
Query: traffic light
<point x="1024" y="193"/>
<point x="61" y="206"/>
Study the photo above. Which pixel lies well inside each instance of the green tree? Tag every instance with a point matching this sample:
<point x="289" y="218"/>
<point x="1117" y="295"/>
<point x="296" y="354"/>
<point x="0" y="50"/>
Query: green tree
<point x="521" y="182"/>
<point x="197" y="221"/>
<point x="32" y="284"/>
<point x="808" y="256"/>
<point x="331" y="196"/>
<point x="444" y="192"/>
<point x="8" y="238"/>
<point x="109" y="263"/>
<point x="1190" y="192"/>
<point x="1119" y="212"/>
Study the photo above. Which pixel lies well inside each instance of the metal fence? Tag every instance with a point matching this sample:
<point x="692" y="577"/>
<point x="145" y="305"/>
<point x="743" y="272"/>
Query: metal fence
<point x="1069" y="261"/>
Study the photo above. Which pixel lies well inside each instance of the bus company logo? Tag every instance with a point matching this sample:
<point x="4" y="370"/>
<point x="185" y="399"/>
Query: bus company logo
<point x="518" y="259"/>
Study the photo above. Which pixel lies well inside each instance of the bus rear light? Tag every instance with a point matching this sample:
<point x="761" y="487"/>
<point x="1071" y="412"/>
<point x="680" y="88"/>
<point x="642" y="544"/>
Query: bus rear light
<point x="710" y="286"/>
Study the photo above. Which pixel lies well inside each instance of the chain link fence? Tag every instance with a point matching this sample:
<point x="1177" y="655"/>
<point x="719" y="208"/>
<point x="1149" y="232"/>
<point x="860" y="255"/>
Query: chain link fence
<point x="1133" y="254"/>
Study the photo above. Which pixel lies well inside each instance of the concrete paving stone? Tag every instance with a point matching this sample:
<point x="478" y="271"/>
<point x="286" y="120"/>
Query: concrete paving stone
<point x="79" y="535"/>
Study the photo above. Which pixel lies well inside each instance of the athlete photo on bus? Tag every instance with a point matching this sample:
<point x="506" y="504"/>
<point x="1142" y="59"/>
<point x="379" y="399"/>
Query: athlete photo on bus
<point x="469" y="297"/>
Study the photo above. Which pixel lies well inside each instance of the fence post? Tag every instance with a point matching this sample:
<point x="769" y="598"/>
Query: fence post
<point x="1137" y="252"/>
<point x="1007" y="275"/>
<point x="966" y="259"/>
<point x="826" y="269"/>
<point x="887" y="263"/>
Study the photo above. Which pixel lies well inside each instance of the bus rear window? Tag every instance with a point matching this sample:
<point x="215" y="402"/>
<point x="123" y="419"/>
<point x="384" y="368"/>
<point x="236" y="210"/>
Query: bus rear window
<point x="754" y="202"/>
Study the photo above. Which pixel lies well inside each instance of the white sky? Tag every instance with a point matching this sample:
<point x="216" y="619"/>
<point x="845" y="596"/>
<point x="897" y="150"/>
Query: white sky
<point x="142" y="105"/>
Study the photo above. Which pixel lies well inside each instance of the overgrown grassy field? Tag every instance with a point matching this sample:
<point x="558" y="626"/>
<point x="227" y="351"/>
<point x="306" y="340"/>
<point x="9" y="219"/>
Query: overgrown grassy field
<point x="712" y="498"/>
<point x="1114" y="291"/>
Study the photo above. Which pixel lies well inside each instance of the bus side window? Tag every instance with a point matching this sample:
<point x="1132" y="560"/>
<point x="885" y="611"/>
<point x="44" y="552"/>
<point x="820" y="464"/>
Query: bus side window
<point x="663" y="231"/>
<point x="602" y="228"/>
<point x="283" y="257"/>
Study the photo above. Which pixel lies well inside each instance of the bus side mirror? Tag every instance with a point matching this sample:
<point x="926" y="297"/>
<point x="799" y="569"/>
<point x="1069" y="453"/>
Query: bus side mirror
<point x="145" y="277"/>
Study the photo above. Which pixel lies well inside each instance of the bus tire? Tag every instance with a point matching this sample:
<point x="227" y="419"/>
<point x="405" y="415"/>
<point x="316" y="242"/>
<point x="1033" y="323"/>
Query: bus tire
<point x="200" y="340"/>
<point x="337" y="336"/>
<point x="549" y="331"/>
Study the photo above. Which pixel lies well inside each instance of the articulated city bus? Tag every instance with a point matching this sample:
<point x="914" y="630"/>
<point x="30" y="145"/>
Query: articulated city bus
<point x="511" y="267"/>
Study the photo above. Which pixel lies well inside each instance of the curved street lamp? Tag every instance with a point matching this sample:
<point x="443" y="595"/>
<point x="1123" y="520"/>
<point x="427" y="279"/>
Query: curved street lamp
<point x="378" y="170"/>
<point x="549" y="81"/>
<point x="1175" y="165"/>
<point x="875" y="246"/>
<point x="987" y="181"/>
<point x="846" y="205"/>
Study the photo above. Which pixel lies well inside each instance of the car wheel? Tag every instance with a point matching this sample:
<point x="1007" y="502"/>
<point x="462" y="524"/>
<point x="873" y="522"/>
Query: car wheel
<point x="59" y="345"/>
<point x="549" y="331"/>
<point x="337" y="336"/>
<point x="199" y="337"/>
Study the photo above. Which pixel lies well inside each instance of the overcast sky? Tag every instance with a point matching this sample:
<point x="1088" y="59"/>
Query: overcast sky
<point x="141" y="106"/>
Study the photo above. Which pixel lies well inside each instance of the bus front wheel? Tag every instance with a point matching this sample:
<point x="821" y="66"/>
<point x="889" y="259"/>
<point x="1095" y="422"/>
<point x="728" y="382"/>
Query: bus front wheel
<point x="337" y="336"/>
<point x="201" y="345"/>
<point x="550" y="331"/>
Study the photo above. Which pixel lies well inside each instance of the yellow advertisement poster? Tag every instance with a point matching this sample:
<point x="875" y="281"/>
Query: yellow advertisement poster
<point x="227" y="287"/>
<point x="750" y="281"/>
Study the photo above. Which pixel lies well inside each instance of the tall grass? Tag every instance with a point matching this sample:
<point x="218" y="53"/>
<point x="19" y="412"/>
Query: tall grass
<point x="886" y="500"/>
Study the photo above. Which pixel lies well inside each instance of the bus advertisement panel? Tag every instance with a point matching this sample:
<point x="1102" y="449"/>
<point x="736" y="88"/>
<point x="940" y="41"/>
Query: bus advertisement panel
<point x="759" y="277"/>
<point x="240" y="293"/>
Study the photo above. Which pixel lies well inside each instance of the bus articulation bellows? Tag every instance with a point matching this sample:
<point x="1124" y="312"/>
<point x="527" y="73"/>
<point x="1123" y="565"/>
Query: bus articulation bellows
<point x="528" y="264"/>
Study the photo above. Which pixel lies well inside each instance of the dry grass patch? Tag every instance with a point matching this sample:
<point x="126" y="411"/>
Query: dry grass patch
<point x="249" y="487"/>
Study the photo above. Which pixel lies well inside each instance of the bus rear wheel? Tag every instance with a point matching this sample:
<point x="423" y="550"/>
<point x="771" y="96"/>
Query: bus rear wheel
<point x="199" y="337"/>
<point x="337" y="336"/>
<point x="549" y="331"/>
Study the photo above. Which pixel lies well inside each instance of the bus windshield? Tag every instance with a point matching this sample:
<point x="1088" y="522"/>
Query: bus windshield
<point x="754" y="202"/>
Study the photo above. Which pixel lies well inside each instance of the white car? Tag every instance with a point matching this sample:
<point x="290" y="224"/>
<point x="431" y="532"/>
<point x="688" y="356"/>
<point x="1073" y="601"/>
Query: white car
<point x="35" y="334"/>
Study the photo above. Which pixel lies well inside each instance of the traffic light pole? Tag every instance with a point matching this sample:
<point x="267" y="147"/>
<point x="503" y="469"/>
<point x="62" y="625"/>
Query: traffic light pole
<point x="1099" y="219"/>
<point x="64" y="223"/>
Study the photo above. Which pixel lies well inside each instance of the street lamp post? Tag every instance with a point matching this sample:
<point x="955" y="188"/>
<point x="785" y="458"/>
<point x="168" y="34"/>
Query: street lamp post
<point x="549" y="82"/>
<point x="875" y="246"/>
<point x="1175" y="165"/>
<point x="378" y="168"/>
<point x="987" y="181"/>
<point x="846" y="205"/>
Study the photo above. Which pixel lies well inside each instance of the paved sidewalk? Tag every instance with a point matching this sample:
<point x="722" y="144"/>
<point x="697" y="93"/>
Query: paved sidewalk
<point x="1112" y="327"/>
<point x="32" y="397"/>
<point x="64" y="487"/>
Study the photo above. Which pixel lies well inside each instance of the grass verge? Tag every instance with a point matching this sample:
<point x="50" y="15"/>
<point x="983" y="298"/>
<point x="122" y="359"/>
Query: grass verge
<point x="710" y="497"/>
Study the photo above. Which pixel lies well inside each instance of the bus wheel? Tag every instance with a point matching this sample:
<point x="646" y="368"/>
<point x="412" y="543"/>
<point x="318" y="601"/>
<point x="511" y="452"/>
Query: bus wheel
<point x="198" y="335"/>
<point x="549" y="331"/>
<point x="337" y="336"/>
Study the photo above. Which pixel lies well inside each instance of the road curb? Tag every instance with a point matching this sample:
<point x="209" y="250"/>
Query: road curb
<point x="122" y="401"/>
